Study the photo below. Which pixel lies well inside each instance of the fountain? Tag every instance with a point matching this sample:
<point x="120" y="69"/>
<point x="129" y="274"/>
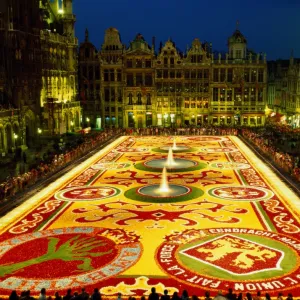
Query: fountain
<point x="174" y="144"/>
<point x="164" y="192"/>
<point x="175" y="147"/>
<point x="164" y="185"/>
<point x="170" y="160"/>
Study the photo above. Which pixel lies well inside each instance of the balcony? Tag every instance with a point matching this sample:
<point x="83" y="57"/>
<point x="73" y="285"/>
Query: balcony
<point x="8" y="113"/>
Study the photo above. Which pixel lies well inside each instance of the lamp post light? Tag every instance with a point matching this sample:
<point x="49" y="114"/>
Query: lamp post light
<point x="15" y="138"/>
<point x="39" y="131"/>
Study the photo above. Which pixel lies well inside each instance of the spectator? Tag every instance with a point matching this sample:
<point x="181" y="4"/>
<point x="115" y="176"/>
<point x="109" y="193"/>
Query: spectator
<point x="153" y="295"/>
<point x="165" y="296"/>
<point x="13" y="296"/>
<point x="43" y="294"/>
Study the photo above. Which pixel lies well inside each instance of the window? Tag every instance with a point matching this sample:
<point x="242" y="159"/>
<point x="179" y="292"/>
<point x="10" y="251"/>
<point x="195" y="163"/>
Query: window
<point x="222" y="75"/>
<point x="129" y="79"/>
<point x="148" y="63"/>
<point x="165" y="74"/>
<point x="159" y="119"/>
<point x="229" y="75"/>
<point x="172" y="74"/>
<point x="193" y="74"/>
<point x="139" y="79"/>
<point x="139" y="99"/>
<point x="106" y="95"/>
<point x="158" y="74"/>
<point x="260" y="94"/>
<point x="253" y="75"/>
<point x="138" y="63"/>
<point x="252" y="94"/>
<point x="172" y="60"/>
<point x="222" y="94"/>
<point x="148" y="79"/>
<point x="215" y="94"/>
<point x="130" y="99"/>
<point x="178" y="74"/>
<point x="187" y="74"/>
<point x="260" y="75"/>
<point x="165" y="61"/>
<point x="237" y="94"/>
<point x="111" y="75"/>
<point x="238" y="54"/>
<point x="187" y="102"/>
<point x="119" y="75"/>
<point x="106" y="75"/>
<point x="246" y="75"/>
<point x="229" y="95"/>
<point x="129" y="63"/>
<point x="148" y="99"/>
<point x="246" y="94"/>
<point x="205" y="73"/>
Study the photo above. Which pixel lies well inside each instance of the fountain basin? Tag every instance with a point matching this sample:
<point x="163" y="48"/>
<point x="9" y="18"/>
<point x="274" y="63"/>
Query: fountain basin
<point x="154" y="191"/>
<point x="177" y="149"/>
<point x="176" y="193"/>
<point x="181" y="165"/>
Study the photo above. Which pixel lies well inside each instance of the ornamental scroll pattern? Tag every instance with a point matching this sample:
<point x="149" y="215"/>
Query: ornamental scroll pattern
<point x="36" y="217"/>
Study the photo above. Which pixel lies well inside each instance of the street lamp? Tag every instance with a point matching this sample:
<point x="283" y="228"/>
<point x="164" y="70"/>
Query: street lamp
<point x="15" y="138"/>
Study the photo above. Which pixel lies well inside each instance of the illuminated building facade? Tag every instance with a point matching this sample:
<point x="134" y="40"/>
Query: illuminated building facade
<point x="139" y="88"/>
<point x="60" y="110"/>
<point x="38" y="71"/>
<point x="20" y="72"/>
<point x="284" y="91"/>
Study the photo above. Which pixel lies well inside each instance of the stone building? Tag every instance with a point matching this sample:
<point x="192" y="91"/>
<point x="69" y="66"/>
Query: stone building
<point x="284" y="91"/>
<point x="140" y="88"/>
<point x="38" y="71"/>
<point x="60" y="108"/>
<point x="20" y="72"/>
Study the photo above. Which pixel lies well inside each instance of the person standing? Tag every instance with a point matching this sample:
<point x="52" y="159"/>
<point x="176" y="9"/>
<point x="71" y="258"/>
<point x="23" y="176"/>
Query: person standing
<point x="153" y="295"/>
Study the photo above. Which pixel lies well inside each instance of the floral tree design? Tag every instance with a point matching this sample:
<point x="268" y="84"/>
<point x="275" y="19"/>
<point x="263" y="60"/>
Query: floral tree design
<point x="77" y="248"/>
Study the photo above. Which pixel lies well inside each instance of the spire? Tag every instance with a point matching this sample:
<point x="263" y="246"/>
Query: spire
<point x="237" y="24"/>
<point x="86" y="35"/>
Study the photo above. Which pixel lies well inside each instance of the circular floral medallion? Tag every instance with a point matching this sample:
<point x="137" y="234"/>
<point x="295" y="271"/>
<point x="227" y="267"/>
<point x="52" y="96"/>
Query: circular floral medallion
<point x="245" y="259"/>
<point x="241" y="193"/>
<point x="110" y="166"/>
<point x="91" y="193"/>
<point x="226" y="165"/>
<point x="67" y="257"/>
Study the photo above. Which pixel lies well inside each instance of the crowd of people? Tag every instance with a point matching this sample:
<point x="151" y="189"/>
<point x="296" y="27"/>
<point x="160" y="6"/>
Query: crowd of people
<point x="205" y="130"/>
<point x="52" y="163"/>
<point x="96" y="295"/>
<point x="268" y="144"/>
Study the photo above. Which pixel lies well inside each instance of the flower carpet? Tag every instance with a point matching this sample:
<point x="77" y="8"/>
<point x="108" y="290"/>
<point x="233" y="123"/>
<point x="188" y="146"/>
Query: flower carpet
<point x="230" y="223"/>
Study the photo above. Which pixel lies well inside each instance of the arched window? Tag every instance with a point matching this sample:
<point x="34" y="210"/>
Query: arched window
<point x="148" y="99"/>
<point x="130" y="99"/>
<point x="139" y="100"/>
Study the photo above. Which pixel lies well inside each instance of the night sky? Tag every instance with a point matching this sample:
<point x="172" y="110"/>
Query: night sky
<point x="270" y="26"/>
